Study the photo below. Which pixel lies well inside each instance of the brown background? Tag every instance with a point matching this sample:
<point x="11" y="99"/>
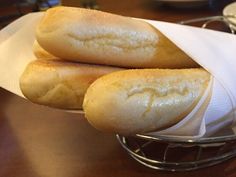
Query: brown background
<point x="36" y="141"/>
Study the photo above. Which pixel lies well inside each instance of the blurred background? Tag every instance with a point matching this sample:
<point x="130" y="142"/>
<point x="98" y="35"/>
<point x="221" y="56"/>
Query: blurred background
<point x="151" y="9"/>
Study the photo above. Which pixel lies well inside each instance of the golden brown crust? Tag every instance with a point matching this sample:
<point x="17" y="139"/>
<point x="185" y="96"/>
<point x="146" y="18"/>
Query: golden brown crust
<point x="41" y="53"/>
<point x="92" y="36"/>
<point x="59" y="84"/>
<point x="137" y="101"/>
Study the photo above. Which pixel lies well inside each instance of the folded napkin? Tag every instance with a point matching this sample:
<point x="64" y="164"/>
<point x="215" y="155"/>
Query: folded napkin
<point x="215" y="51"/>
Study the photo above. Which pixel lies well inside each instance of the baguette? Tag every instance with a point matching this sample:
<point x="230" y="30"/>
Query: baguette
<point x="92" y="36"/>
<point x="143" y="100"/>
<point x="59" y="84"/>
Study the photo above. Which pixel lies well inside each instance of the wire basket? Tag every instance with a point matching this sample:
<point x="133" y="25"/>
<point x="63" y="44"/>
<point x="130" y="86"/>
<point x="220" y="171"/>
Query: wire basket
<point x="177" y="155"/>
<point x="166" y="153"/>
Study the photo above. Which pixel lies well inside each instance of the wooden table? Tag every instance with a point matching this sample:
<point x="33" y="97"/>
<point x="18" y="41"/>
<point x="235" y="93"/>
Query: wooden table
<point x="38" y="141"/>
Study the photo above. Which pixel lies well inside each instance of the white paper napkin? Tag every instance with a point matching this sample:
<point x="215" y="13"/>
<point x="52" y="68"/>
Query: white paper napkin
<point x="215" y="51"/>
<point x="16" y="42"/>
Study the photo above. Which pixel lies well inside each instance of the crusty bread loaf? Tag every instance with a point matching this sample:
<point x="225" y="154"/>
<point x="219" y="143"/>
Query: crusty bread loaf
<point x="59" y="84"/>
<point x="144" y="100"/>
<point x="40" y="53"/>
<point x="93" y="36"/>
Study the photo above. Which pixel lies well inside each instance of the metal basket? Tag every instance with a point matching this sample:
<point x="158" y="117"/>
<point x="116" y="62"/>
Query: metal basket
<point x="166" y="153"/>
<point x="162" y="153"/>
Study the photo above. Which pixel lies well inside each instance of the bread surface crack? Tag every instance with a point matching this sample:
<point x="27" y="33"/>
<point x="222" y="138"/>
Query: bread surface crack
<point x="114" y="41"/>
<point x="153" y="94"/>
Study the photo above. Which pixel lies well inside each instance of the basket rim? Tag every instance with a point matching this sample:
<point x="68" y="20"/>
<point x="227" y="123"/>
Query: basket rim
<point x="203" y="140"/>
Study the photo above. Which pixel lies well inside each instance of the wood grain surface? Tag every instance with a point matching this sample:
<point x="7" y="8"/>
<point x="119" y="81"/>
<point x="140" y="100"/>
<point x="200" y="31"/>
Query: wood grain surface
<point x="37" y="141"/>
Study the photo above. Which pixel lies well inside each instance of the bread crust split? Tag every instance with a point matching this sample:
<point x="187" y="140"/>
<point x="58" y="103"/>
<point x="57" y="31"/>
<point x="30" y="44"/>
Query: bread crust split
<point x="59" y="84"/>
<point x="92" y="36"/>
<point x="145" y="100"/>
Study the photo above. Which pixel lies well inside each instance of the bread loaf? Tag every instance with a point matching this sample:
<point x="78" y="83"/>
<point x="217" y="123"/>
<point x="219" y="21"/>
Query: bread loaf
<point x="59" y="84"/>
<point x="143" y="100"/>
<point x="92" y="36"/>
